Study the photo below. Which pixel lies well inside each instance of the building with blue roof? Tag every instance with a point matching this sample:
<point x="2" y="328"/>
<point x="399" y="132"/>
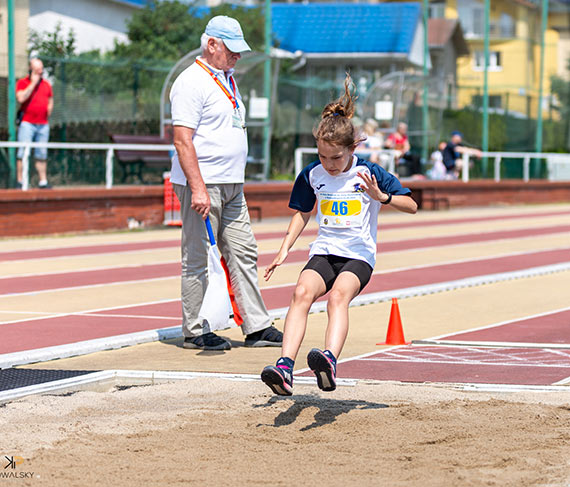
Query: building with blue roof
<point x="330" y="39"/>
<point x="369" y="32"/>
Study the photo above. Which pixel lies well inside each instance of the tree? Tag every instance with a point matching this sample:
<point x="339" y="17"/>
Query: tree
<point x="49" y="46"/>
<point x="170" y="29"/>
<point x="561" y="89"/>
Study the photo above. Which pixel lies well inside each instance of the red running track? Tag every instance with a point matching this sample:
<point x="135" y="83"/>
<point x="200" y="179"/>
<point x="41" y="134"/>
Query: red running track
<point x="18" y="336"/>
<point x="520" y="366"/>
<point x="43" y="282"/>
<point x="137" y="246"/>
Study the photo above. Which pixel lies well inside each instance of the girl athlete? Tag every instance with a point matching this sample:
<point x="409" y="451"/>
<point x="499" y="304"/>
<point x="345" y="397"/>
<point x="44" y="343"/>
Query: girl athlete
<point x="348" y="192"/>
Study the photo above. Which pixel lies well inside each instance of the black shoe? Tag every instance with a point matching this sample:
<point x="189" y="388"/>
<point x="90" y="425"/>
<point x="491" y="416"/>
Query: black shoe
<point x="44" y="186"/>
<point x="268" y="337"/>
<point x="279" y="379"/>
<point x="18" y="185"/>
<point x="208" y="341"/>
<point x="323" y="369"/>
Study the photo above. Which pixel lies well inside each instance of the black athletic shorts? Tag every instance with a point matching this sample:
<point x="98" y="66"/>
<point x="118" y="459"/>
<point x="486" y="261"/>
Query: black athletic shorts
<point x="330" y="266"/>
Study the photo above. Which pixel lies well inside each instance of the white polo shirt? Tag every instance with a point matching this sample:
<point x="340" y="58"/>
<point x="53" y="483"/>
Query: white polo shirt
<point x="197" y="102"/>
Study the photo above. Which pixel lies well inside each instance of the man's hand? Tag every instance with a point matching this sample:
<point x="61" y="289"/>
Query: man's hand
<point x="201" y="202"/>
<point x="35" y="77"/>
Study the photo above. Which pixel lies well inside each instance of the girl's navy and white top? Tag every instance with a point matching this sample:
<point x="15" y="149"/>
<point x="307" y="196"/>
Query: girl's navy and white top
<point x="347" y="216"/>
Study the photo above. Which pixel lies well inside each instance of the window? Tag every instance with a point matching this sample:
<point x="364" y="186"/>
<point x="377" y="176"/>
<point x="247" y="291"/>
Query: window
<point x="495" y="101"/>
<point x="506" y="26"/>
<point x="436" y="10"/>
<point x="495" y="61"/>
<point x="472" y="17"/>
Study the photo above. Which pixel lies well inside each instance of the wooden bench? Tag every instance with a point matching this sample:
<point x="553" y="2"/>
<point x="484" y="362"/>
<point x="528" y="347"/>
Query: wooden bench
<point x="133" y="161"/>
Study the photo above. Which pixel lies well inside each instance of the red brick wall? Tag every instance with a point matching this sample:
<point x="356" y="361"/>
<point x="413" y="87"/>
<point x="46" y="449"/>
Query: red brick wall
<point x="41" y="212"/>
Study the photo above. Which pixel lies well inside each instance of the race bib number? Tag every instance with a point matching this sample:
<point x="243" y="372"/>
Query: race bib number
<point x="340" y="210"/>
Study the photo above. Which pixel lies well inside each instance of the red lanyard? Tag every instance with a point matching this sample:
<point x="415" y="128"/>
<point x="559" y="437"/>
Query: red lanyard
<point x="233" y="98"/>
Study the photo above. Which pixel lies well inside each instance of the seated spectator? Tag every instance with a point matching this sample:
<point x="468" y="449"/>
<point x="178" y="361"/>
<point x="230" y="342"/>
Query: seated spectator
<point x="453" y="152"/>
<point x="438" y="170"/>
<point x="408" y="164"/>
<point x="374" y="140"/>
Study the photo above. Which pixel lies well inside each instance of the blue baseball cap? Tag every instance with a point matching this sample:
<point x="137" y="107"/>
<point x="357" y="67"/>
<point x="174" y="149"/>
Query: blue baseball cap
<point x="457" y="132"/>
<point x="229" y="31"/>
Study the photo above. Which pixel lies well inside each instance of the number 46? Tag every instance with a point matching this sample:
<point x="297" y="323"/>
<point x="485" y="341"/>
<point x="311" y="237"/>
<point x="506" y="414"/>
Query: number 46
<point x="339" y="208"/>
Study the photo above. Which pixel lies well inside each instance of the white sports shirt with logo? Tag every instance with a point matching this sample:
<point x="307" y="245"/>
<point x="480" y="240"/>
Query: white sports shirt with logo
<point x="347" y="216"/>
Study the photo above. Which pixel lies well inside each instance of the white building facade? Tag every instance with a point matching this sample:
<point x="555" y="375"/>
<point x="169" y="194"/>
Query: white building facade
<point x="96" y="24"/>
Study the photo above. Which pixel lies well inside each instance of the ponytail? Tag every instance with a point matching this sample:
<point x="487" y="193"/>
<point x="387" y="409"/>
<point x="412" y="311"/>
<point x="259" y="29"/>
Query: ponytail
<point x="335" y="126"/>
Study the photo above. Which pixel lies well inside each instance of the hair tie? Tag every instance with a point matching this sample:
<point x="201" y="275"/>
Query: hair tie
<point x="336" y="114"/>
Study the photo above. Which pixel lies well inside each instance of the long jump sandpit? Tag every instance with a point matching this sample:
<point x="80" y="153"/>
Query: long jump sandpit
<point x="215" y="431"/>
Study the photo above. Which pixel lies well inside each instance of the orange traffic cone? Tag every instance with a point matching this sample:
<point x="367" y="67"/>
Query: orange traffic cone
<point x="395" y="335"/>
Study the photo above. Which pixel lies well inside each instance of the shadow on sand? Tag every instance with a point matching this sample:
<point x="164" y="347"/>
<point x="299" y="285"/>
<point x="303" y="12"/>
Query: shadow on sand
<point x="328" y="409"/>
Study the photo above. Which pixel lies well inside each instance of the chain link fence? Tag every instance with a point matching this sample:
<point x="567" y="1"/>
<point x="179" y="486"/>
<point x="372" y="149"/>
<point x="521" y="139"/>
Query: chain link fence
<point x="93" y="99"/>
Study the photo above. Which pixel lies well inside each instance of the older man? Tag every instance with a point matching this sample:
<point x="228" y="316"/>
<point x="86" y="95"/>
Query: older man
<point x="208" y="171"/>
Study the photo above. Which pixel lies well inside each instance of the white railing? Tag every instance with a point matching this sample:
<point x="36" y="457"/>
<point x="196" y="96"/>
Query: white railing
<point x="551" y="157"/>
<point x="389" y="157"/>
<point x="109" y="148"/>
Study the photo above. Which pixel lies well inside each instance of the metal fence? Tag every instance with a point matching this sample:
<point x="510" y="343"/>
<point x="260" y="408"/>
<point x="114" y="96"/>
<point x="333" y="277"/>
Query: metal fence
<point x="557" y="165"/>
<point x="109" y="150"/>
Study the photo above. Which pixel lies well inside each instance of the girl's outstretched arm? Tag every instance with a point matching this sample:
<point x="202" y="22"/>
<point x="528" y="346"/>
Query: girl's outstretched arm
<point x="298" y="223"/>
<point x="404" y="203"/>
<point x="401" y="202"/>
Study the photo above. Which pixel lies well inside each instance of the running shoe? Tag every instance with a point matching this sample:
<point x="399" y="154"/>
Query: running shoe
<point x="279" y="379"/>
<point x="268" y="337"/>
<point x="208" y="341"/>
<point x="323" y="369"/>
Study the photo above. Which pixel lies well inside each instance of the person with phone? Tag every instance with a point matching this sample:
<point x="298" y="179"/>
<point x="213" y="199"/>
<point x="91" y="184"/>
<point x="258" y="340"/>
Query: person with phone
<point x="35" y="96"/>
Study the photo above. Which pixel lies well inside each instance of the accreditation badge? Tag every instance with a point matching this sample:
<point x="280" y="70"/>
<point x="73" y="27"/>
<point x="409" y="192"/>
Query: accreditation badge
<point x="340" y="210"/>
<point x="238" y="119"/>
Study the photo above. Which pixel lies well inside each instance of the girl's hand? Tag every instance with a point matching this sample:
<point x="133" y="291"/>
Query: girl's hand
<point x="281" y="256"/>
<point x="371" y="187"/>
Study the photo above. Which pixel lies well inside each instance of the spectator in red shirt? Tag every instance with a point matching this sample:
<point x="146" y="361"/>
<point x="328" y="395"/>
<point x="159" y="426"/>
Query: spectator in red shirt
<point x="399" y="142"/>
<point x="35" y="96"/>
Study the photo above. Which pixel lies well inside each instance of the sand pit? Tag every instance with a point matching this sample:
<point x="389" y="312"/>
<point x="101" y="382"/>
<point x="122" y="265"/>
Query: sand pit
<point x="212" y="432"/>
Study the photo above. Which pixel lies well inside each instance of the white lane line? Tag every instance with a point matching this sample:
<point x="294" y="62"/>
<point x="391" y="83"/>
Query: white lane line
<point x="504" y="387"/>
<point x="463" y="343"/>
<point x="88" y="286"/>
<point x="563" y="382"/>
<point x="45" y="354"/>
<point x="141" y="377"/>
<point x="416" y="360"/>
<point x="93" y="310"/>
<point x="138" y="377"/>
<point x="90" y="269"/>
<point x="146" y="317"/>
